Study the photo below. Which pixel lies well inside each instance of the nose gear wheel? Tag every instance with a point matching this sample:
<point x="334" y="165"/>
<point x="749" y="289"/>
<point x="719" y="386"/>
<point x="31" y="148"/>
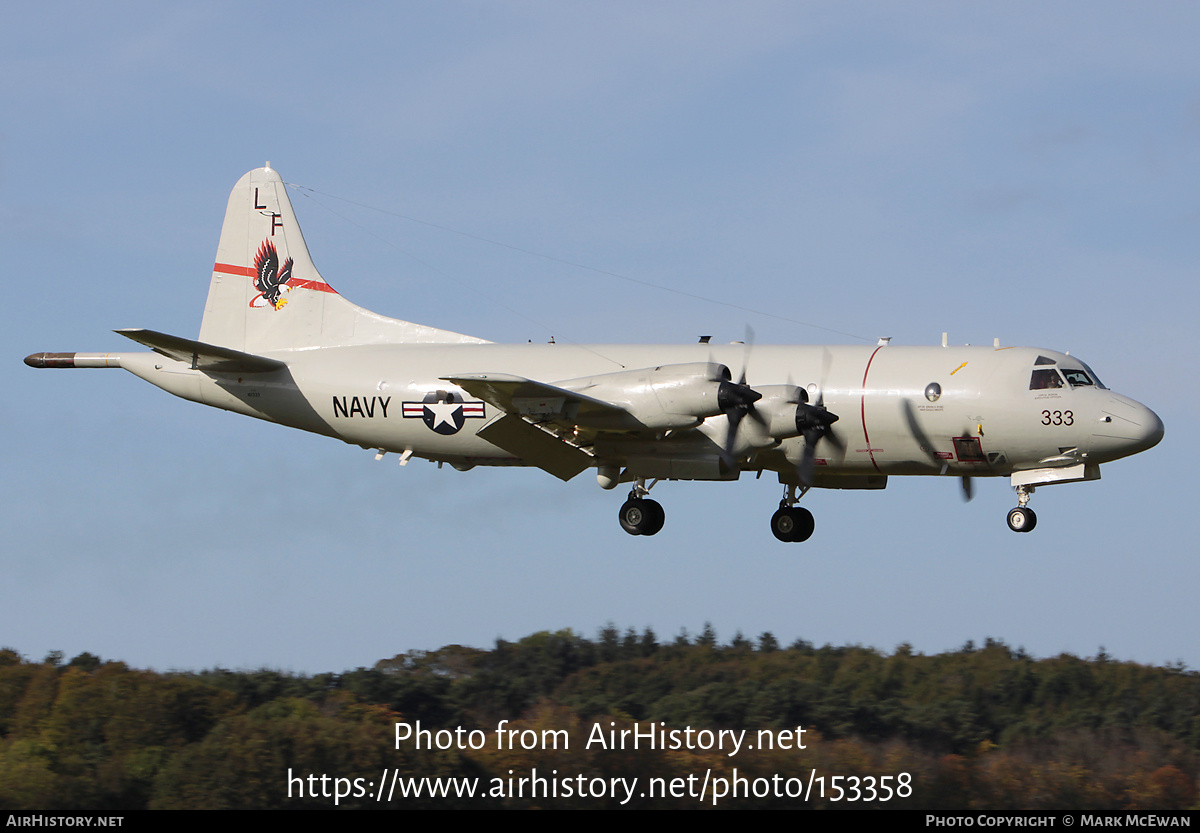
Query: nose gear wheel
<point x="1022" y="519"/>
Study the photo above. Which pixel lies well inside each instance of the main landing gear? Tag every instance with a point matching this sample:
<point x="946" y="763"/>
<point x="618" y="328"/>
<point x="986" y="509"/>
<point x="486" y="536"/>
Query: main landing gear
<point x="1022" y="519"/>
<point x="640" y="515"/>
<point x="791" y="523"/>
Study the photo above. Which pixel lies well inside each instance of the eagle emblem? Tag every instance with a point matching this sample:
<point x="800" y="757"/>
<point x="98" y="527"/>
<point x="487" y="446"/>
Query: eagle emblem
<point x="269" y="279"/>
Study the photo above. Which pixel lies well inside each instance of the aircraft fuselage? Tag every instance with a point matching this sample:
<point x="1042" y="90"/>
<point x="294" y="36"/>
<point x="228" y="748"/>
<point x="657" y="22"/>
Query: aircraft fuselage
<point x="982" y="420"/>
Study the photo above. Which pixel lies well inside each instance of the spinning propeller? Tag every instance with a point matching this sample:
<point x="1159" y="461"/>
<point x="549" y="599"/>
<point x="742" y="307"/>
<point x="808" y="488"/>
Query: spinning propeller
<point x="910" y="417"/>
<point x="814" y="422"/>
<point x="736" y="400"/>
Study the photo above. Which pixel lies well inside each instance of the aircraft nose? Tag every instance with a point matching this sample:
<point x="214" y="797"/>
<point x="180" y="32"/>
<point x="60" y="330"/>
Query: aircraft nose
<point x="1154" y="430"/>
<point x="1126" y="427"/>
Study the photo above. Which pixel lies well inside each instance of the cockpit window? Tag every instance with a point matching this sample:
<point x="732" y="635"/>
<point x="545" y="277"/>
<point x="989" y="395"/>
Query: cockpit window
<point x="1092" y="373"/>
<point x="1077" y="378"/>
<point x="1045" y="379"/>
<point x="1043" y="360"/>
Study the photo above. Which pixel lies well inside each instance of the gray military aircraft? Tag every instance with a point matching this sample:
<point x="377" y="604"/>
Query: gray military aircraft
<point x="278" y="343"/>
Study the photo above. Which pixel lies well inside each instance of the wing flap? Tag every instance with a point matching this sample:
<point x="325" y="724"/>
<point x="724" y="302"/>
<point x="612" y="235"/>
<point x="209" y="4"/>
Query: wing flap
<point x="536" y="447"/>
<point x="201" y="356"/>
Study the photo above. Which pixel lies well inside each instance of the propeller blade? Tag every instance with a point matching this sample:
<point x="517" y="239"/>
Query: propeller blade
<point x="752" y="412"/>
<point x="734" y="417"/>
<point x="747" y="346"/>
<point x="804" y="471"/>
<point x="736" y="400"/>
<point x="835" y="440"/>
<point x="919" y="435"/>
<point x="814" y="422"/>
<point x="826" y="360"/>
<point x="968" y="486"/>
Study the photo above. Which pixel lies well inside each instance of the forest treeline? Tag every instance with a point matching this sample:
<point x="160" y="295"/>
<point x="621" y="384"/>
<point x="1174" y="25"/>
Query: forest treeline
<point x="981" y="728"/>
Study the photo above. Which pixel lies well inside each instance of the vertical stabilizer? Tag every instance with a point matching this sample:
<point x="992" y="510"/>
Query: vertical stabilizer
<point x="266" y="294"/>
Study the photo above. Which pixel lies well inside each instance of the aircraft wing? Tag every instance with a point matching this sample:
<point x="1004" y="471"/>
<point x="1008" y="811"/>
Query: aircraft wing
<point x="542" y="402"/>
<point x="202" y="356"/>
<point x="528" y="406"/>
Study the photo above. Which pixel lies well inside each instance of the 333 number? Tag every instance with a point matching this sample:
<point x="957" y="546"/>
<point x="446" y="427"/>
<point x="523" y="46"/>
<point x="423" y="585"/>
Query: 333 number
<point x="1058" y="418"/>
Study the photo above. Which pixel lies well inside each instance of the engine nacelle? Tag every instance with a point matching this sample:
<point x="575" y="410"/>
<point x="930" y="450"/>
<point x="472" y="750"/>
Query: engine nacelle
<point x="782" y="408"/>
<point x="671" y="396"/>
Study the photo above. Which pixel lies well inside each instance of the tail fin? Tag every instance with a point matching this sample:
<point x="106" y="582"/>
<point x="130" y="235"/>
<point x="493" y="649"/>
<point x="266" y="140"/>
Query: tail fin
<point x="266" y="294"/>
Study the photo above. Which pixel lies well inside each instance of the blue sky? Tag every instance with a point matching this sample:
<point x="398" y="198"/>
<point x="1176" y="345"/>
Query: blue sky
<point x="1024" y="171"/>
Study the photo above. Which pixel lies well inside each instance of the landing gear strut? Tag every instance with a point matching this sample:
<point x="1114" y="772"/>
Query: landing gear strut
<point x="639" y="514"/>
<point x="791" y="523"/>
<point x="1022" y="519"/>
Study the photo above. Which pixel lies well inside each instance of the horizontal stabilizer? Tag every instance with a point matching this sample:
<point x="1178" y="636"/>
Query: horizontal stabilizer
<point x="201" y="356"/>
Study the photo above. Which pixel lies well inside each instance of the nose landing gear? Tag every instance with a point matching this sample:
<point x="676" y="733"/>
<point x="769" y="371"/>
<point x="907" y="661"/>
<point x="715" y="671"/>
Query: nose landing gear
<point x="1022" y="519"/>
